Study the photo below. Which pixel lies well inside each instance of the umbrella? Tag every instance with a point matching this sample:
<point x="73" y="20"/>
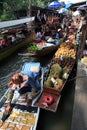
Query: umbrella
<point x="54" y="4"/>
<point x="68" y="5"/>
<point x="62" y="10"/>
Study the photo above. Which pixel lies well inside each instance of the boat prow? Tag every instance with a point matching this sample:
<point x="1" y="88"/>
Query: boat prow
<point x="27" y="54"/>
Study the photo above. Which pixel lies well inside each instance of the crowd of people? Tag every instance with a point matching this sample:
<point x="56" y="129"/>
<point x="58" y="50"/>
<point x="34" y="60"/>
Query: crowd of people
<point x="58" y="27"/>
<point x="54" y="26"/>
<point x="12" y="37"/>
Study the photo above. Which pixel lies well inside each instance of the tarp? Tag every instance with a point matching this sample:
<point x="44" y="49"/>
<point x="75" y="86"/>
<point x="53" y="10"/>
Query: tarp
<point x="32" y="69"/>
<point x="62" y="10"/>
<point x="7" y="24"/>
<point x="68" y="5"/>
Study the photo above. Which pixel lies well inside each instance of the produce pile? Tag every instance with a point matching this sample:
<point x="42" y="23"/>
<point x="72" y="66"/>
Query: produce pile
<point x="37" y="46"/>
<point x="33" y="48"/>
<point x="19" y="120"/>
<point x="55" y="73"/>
<point x="61" y="66"/>
<point x="66" y="49"/>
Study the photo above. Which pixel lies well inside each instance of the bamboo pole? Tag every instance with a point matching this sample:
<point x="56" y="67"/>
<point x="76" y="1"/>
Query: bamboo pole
<point x="29" y="8"/>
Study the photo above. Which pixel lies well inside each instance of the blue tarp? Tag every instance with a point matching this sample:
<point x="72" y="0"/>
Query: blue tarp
<point x="68" y="5"/>
<point x="32" y="69"/>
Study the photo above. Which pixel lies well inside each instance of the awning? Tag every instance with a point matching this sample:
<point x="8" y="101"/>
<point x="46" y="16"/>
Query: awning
<point x="7" y="24"/>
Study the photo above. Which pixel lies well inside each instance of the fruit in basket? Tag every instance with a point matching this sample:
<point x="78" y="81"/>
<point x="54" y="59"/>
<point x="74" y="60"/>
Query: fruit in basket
<point x="56" y="69"/>
<point x="59" y="84"/>
<point x="66" y="50"/>
<point x="66" y="70"/>
<point x="57" y="75"/>
<point x="48" y="83"/>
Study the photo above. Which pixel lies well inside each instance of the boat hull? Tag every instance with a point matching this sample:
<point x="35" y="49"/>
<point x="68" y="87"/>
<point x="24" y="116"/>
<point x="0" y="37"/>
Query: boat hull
<point x="43" y="52"/>
<point x="6" y="52"/>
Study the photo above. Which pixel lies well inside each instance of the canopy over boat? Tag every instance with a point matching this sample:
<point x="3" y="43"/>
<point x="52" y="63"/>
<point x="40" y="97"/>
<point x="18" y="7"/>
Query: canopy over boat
<point x="7" y="24"/>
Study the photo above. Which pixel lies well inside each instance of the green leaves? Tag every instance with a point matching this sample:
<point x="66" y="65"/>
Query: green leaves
<point x="33" y="47"/>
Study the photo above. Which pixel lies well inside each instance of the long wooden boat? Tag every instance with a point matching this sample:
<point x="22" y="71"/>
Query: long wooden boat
<point x="42" y="50"/>
<point x="22" y="117"/>
<point x="58" y="74"/>
<point x="5" y="52"/>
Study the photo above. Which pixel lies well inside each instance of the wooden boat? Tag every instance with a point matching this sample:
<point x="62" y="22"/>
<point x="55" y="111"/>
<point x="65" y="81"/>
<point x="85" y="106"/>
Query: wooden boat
<point x="47" y="50"/>
<point x="5" y="52"/>
<point x="13" y="27"/>
<point x="40" y="50"/>
<point x="21" y="116"/>
<point x="58" y="74"/>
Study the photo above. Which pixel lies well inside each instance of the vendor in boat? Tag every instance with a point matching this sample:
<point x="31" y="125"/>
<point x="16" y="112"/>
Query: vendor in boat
<point x="38" y="34"/>
<point x="24" y="85"/>
<point x="60" y="32"/>
<point x="4" y="42"/>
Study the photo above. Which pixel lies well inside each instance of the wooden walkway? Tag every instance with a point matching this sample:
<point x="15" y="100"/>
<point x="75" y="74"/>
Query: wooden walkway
<point x="79" y="118"/>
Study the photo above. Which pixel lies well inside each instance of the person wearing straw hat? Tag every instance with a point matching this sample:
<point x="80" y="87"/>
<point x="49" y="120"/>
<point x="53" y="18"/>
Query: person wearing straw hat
<point x="22" y="84"/>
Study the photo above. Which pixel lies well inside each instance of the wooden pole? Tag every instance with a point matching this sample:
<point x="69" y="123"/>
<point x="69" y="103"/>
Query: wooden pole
<point x="83" y="40"/>
<point x="29" y="8"/>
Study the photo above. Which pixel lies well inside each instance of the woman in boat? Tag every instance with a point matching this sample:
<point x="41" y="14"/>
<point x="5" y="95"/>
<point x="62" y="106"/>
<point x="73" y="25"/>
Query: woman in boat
<point x="4" y="42"/>
<point x="23" y="84"/>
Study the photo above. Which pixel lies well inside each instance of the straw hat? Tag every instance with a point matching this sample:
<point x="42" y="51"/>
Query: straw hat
<point x="17" y="78"/>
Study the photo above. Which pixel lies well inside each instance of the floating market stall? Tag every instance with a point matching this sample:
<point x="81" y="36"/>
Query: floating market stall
<point x="60" y="69"/>
<point x="40" y="49"/>
<point x="7" y="51"/>
<point x="11" y="28"/>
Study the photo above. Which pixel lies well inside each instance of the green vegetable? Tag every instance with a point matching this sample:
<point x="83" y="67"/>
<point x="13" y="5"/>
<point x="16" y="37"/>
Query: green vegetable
<point x="33" y="47"/>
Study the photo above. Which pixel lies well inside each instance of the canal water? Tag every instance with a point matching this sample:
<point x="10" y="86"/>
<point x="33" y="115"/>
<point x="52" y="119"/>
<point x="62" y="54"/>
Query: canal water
<point x="61" y="119"/>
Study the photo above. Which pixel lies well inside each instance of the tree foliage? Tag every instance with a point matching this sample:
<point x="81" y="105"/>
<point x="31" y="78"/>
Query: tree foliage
<point x="7" y="7"/>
